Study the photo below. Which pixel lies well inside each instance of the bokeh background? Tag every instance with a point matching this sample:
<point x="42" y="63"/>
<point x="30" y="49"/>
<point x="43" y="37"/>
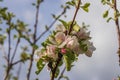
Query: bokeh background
<point x="103" y="65"/>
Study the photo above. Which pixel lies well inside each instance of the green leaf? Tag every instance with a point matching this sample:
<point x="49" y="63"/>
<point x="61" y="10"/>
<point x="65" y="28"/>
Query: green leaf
<point x="40" y="65"/>
<point x="67" y="63"/>
<point x="105" y="14"/>
<point x="24" y="56"/>
<point x="65" y="24"/>
<point x="76" y="27"/>
<point x="44" y="44"/>
<point x="35" y="46"/>
<point x="110" y="18"/>
<point x="85" y="7"/>
<point x="69" y="58"/>
<point x="72" y="3"/>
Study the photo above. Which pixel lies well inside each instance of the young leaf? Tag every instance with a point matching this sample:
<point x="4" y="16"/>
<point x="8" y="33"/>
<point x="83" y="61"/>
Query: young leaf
<point x="67" y="63"/>
<point x="105" y="14"/>
<point x="64" y="23"/>
<point x="85" y="7"/>
<point x="72" y="3"/>
<point x="76" y="27"/>
<point x="40" y="65"/>
<point x="109" y="19"/>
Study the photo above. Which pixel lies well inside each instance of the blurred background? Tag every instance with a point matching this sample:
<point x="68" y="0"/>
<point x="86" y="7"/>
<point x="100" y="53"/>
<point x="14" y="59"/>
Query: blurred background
<point x="103" y="65"/>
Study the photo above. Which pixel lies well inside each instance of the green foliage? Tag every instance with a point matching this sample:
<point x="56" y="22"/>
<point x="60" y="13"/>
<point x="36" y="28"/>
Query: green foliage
<point x="57" y="73"/>
<point x="71" y="3"/>
<point x="85" y="7"/>
<point x="69" y="58"/>
<point x="24" y="56"/>
<point x="105" y="14"/>
<point x="76" y="27"/>
<point x="2" y="38"/>
<point x="40" y="65"/>
<point x="65" y="24"/>
<point x="110" y="18"/>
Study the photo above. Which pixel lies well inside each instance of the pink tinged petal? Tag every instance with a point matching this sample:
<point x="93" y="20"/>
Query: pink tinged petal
<point x="60" y="28"/>
<point x="63" y="51"/>
<point x="90" y="50"/>
<point x="60" y="37"/>
<point x="51" y="52"/>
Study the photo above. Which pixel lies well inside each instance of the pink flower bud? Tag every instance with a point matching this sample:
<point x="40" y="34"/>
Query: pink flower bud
<point x="63" y="51"/>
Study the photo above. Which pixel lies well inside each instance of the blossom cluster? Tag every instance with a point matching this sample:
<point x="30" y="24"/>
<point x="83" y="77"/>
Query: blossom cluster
<point x="60" y="42"/>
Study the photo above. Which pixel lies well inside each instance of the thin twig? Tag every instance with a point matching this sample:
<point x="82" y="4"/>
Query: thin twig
<point x="14" y="53"/>
<point x="34" y="41"/>
<point x="9" y="52"/>
<point x="56" y="66"/>
<point x="51" y="25"/>
<point x="21" y="60"/>
<point x="61" y="75"/>
<point x="77" y="8"/>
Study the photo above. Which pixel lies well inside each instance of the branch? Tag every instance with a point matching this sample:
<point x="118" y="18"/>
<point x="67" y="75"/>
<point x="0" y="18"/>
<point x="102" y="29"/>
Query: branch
<point x="117" y="27"/>
<point x="56" y="66"/>
<point x="9" y="44"/>
<point x="34" y="41"/>
<point x="14" y="53"/>
<point x="61" y="75"/>
<point x="51" y="25"/>
<point x="77" y="8"/>
<point x="21" y="60"/>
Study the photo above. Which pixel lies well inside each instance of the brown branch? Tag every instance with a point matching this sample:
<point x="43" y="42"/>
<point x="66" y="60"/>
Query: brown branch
<point x="9" y="44"/>
<point x="117" y="26"/>
<point x="77" y="8"/>
<point x="9" y="51"/>
<point x="14" y="53"/>
<point x="56" y="66"/>
<point x="21" y="60"/>
<point x="34" y="41"/>
<point x="51" y="25"/>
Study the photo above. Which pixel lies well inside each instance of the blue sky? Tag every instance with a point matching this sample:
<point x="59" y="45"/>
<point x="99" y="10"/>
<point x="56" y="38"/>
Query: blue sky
<point x="103" y="65"/>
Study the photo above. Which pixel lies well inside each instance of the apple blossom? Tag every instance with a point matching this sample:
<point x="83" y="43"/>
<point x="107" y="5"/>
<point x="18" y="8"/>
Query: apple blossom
<point x="50" y="52"/>
<point x="90" y="50"/>
<point x="82" y="34"/>
<point x="60" y="37"/>
<point x="60" y="28"/>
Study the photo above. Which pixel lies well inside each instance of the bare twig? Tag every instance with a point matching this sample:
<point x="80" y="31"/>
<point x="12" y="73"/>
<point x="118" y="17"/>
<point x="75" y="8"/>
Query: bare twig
<point x="14" y="53"/>
<point x="77" y="8"/>
<point x="61" y="75"/>
<point x="9" y="52"/>
<point x="51" y="25"/>
<point x="117" y="27"/>
<point x="56" y="66"/>
<point x="34" y="41"/>
<point x="21" y="60"/>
